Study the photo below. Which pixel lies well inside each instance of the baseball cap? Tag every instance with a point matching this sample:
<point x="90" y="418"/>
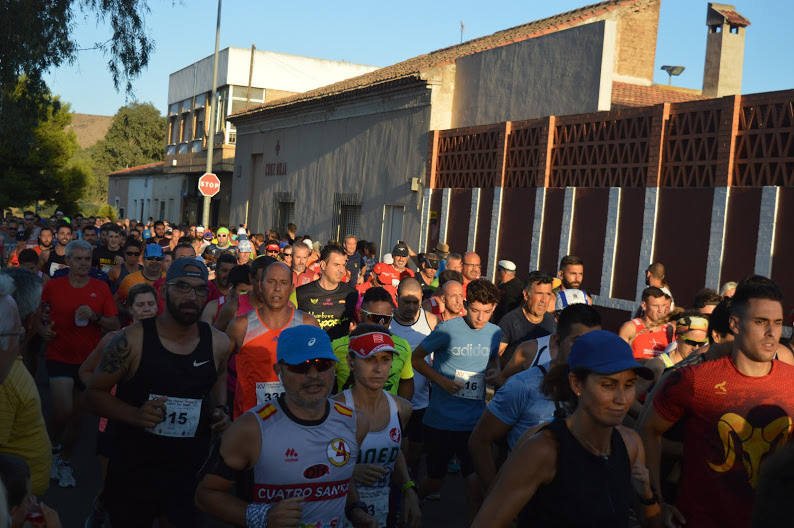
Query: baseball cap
<point x="603" y="352"/>
<point x="388" y="259"/>
<point x="442" y="249"/>
<point x="272" y="247"/>
<point x="507" y="265"/>
<point x="308" y="242"/>
<point x="208" y="235"/>
<point x="245" y="246"/>
<point x="568" y="297"/>
<point x="303" y="343"/>
<point x="370" y="343"/>
<point x="431" y="259"/>
<point x="222" y="231"/>
<point x="146" y="234"/>
<point x="386" y="275"/>
<point x="153" y="250"/>
<point x="400" y="250"/>
<point x="241" y="231"/>
<point x="200" y="229"/>
<point x="181" y="268"/>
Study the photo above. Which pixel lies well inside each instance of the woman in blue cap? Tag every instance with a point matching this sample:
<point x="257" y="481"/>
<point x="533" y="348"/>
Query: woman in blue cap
<point x="586" y="469"/>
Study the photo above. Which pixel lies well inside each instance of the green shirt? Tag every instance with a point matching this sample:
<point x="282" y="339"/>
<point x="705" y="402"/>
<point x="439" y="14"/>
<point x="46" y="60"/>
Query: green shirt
<point x="400" y="366"/>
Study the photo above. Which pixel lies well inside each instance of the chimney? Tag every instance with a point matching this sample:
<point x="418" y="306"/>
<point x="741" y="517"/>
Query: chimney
<point x="722" y="74"/>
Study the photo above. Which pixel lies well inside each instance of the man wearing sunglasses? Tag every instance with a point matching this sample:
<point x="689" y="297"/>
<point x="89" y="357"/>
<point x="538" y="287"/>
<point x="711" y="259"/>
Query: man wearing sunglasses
<point x="151" y="272"/>
<point x="132" y="263"/>
<point x="171" y="395"/>
<point x="304" y="476"/>
<point x="377" y="308"/>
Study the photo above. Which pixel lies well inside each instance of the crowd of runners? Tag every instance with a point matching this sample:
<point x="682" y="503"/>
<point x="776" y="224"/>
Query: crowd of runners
<point x="272" y="381"/>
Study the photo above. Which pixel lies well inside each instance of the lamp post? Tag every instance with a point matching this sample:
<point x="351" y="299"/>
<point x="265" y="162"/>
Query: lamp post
<point x="672" y="70"/>
<point x="205" y="216"/>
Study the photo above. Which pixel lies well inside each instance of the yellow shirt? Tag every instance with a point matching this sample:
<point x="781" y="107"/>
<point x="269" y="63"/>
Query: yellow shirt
<point x="401" y="367"/>
<point x="22" y="429"/>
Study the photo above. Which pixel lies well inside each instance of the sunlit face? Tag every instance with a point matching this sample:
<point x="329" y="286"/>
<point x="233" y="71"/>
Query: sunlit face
<point x="453" y="296"/>
<point x="689" y="341"/>
<point x="479" y="313"/>
<point x="286" y="256"/>
<point x="400" y="261"/>
<point x="143" y="306"/>
<point x="605" y="397"/>
<point x="334" y="268"/>
<point x="758" y="329"/>
<point x="350" y="245"/>
<point x="371" y="372"/>
<point x="656" y="308"/>
<point x="276" y="286"/>
<point x="377" y="312"/>
<point x="537" y="298"/>
<point x="455" y="264"/>
<point x="471" y="266"/>
<point x="571" y="276"/>
<point x="299" y="258"/>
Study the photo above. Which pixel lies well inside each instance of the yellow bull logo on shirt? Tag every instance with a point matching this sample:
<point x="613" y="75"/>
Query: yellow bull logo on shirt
<point x="755" y="442"/>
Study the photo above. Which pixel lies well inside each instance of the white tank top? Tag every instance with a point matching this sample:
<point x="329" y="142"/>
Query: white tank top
<point x="314" y="461"/>
<point x="381" y="448"/>
<point x="415" y="334"/>
<point x="542" y="356"/>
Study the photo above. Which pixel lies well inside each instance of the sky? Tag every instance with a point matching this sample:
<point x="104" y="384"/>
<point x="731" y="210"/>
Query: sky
<point x="383" y="33"/>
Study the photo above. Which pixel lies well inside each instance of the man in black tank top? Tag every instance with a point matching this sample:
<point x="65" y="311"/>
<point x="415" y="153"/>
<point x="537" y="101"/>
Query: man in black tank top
<point x="170" y="378"/>
<point x="55" y="259"/>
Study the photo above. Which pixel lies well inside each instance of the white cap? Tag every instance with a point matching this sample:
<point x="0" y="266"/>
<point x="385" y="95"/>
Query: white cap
<point x="388" y="259"/>
<point x="308" y="242"/>
<point x="200" y="229"/>
<point x="507" y="265"/>
<point x="568" y="297"/>
<point x="241" y="231"/>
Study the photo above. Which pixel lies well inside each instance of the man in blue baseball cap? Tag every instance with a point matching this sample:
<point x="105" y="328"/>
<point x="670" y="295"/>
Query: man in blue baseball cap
<point x="304" y="477"/>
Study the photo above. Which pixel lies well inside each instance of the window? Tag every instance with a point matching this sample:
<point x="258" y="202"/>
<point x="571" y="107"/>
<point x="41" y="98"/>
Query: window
<point x="173" y="129"/>
<point x="198" y="123"/>
<point x="162" y="210"/>
<point x="392" y="230"/>
<point x="170" y="210"/>
<point x="183" y="128"/>
<point x="285" y="212"/>
<point x="348" y="214"/>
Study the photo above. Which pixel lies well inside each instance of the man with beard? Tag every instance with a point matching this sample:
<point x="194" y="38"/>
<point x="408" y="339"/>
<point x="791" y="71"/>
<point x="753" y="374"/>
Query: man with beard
<point x="300" y="256"/>
<point x="302" y="448"/>
<point x="220" y="285"/>
<point x="472" y="269"/>
<point x="54" y="259"/>
<point x="571" y="274"/>
<point x="170" y="396"/>
<point x="401" y="254"/>
<point x="254" y="336"/>
<point x="45" y="244"/>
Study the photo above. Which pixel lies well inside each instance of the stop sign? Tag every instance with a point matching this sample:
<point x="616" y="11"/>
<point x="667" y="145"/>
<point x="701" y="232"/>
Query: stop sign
<point x="209" y="184"/>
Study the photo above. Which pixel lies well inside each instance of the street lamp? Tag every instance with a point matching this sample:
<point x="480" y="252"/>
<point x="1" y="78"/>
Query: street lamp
<point x="672" y="70"/>
<point x="205" y="216"/>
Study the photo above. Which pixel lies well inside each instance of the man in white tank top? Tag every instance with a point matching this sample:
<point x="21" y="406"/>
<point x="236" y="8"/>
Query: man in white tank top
<point x="413" y="323"/>
<point x="302" y="448"/>
<point x="370" y="355"/>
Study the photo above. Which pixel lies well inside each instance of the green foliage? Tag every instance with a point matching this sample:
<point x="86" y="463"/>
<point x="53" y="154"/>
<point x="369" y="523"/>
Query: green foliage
<point x="107" y="210"/>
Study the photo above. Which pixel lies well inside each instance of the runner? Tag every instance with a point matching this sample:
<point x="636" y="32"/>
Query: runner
<point x="300" y="275"/>
<point x="89" y="234"/>
<point x="220" y="285"/>
<point x="224" y="245"/>
<point x="328" y="299"/>
<point x="705" y="301"/>
<point x="171" y="394"/>
<point x="447" y="302"/>
<point x="244" y="250"/>
<point x="520" y="404"/>
<point x="529" y="321"/>
<point x="105" y="257"/>
<point x="464" y="349"/>
<point x="377" y="308"/>
<point x="159" y="235"/>
<point x="55" y="259"/>
<point x="589" y="450"/>
<point x="355" y="261"/>
<point x="511" y="289"/>
<point x="152" y="271"/>
<point x="736" y="411"/>
<point x="272" y="250"/>
<point x="472" y="269"/>
<point x="571" y="275"/>
<point x="254" y="335"/>
<point x="131" y="264"/>
<point x="455" y="263"/>
<point x="44" y="244"/>
<point x="649" y="335"/>
<point x="428" y="267"/>
<point x="286" y="255"/>
<point x="301" y="447"/>
<point x="79" y="308"/>
<point x="380" y="460"/>
<point x="412" y="323"/>
<point x="401" y="255"/>
<point x="655" y="275"/>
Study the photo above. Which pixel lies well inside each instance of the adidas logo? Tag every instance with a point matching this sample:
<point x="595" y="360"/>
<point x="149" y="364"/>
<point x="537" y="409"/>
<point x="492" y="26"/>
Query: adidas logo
<point x="290" y="455"/>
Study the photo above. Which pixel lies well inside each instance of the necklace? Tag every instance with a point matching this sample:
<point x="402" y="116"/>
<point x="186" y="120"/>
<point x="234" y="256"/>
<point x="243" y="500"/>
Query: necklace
<point x="590" y="447"/>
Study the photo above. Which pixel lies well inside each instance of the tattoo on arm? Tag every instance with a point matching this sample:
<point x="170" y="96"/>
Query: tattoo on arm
<point x="115" y="355"/>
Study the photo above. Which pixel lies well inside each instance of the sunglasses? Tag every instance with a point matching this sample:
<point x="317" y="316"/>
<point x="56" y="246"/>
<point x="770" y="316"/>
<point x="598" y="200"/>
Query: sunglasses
<point x="321" y="364"/>
<point x="693" y="343"/>
<point x="154" y="258"/>
<point x="381" y="319"/>
<point x="131" y="254"/>
<point x="286" y="254"/>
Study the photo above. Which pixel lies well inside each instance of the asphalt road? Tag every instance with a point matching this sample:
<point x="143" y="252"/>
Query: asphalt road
<point x="74" y="504"/>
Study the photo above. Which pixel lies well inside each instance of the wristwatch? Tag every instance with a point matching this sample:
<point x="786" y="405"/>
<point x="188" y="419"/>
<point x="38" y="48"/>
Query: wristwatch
<point x="354" y="506"/>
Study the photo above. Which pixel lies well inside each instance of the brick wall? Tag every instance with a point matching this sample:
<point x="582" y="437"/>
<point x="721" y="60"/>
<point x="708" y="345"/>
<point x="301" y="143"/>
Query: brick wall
<point x="636" y="40"/>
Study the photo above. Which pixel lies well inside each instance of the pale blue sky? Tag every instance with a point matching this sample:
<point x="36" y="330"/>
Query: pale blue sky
<point x="381" y="34"/>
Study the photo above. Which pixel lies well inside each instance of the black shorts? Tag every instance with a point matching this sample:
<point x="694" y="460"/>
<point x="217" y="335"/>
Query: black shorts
<point x="441" y="446"/>
<point x="415" y="429"/>
<point x="58" y="369"/>
<point x="104" y="443"/>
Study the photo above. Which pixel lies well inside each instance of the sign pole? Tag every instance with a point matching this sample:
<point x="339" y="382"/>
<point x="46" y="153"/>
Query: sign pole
<point x="205" y="216"/>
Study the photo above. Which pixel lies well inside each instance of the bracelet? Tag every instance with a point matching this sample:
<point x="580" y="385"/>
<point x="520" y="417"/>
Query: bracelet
<point x="354" y="506"/>
<point x="648" y="502"/>
<point x="408" y="485"/>
<point x="256" y="515"/>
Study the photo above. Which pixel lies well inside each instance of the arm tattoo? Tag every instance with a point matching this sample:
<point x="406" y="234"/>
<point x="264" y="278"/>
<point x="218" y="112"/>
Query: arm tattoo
<point x="115" y="355"/>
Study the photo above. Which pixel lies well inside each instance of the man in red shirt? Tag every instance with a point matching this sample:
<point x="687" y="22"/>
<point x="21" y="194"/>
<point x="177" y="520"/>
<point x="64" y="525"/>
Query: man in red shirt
<point x="472" y="269"/>
<point x="649" y="335"/>
<point x="401" y="254"/>
<point x="78" y="308"/>
<point x="300" y="273"/>
<point x="736" y="411"/>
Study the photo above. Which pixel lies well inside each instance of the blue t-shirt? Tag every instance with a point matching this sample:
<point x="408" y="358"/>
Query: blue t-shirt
<point x="520" y="404"/>
<point x="461" y="353"/>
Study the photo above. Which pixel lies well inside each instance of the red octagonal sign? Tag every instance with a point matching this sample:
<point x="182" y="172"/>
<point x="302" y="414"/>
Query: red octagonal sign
<point x="209" y="184"/>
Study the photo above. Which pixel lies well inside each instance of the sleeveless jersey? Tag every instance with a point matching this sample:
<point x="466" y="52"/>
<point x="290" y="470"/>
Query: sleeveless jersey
<point x="180" y="442"/>
<point x="257" y="382"/>
<point x="54" y="263"/>
<point x="414" y="334"/>
<point x="542" y="355"/>
<point x="587" y="490"/>
<point x="310" y="460"/>
<point x="243" y="307"/>
<point x="649" y="343"/>
<point x="381" y="448"/>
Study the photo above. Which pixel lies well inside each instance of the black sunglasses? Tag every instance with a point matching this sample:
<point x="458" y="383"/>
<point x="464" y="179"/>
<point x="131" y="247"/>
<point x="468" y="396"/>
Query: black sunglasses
<point x="693" y="343"/>
<point x="154" y="258"/>
<point x="381" y="319"/>
<point x="321" y="364"/>
<point x="131" y="254"/>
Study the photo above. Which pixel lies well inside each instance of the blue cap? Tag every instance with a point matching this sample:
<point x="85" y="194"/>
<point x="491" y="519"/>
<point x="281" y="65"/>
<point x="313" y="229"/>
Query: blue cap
<point x="146" y="234"/>
<point x="302" y="343"/>
<point x="184" y="267"/>
<point x="603" y="352"/>
<point x="153" y="250"/>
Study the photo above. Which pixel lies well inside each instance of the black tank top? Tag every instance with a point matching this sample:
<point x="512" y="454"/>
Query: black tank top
<point x="587" y="491"/>
<point x="54" y="258"/>
<point x="162" y="372"/>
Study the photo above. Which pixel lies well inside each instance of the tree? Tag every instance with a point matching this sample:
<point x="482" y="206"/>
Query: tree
<point x="37" y="164"/>
<point x="136" y="136"/>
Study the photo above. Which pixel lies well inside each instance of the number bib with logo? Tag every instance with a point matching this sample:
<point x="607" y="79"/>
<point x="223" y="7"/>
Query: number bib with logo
<point x="267" y="391"/>
<point x="377" y="501"/>
<point x="182" y="417"/>
<point x="473" y="384"/>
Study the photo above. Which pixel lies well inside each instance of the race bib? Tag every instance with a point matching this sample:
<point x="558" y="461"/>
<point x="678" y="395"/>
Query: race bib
<point x="377" y="501"/>
<point x="473" y="384"/>
<point x="181" y="417"/>
<point x="107" y="267"/>
<point x="55" y="266"/>
<point x="267" y="391"/>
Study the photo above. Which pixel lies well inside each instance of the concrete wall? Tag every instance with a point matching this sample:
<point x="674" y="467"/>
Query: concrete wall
<point x="372" y="147"/>
<point x="291" y="73"/>
<point x="566" y="72"/>
<point x="119" y="188"/>
<point x="140" y="188"/>
<point x="168" y="189"/>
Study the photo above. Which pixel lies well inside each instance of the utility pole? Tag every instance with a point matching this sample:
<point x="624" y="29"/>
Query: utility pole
<point x="461" y="31"/>
<point x="205" y="217"/>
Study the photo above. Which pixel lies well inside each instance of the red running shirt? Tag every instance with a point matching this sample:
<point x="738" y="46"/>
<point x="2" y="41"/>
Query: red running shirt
<point x="650" y="343"/>
<point x="72" y="344"/>
<point x="732" y="424"/>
